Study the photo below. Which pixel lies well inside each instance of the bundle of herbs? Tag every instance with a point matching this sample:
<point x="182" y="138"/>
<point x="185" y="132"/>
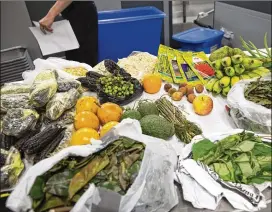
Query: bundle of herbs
<point x="263" y="55"/>
<point x="114" y="167"/>
<point x="184" y="129"/>
<point x="239" y="158"/>
<point x="260" y="92"/>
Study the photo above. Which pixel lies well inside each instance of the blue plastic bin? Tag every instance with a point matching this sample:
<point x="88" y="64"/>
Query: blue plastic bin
<point x="199" y="39"/>
<point x="127" y="30"/>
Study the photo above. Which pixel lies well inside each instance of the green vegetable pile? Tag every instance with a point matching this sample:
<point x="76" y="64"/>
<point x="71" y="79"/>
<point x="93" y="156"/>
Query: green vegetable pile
<point x="114" y="168"/>
<point x="116" y="86"/>
<point x="260" y="92"/>
<point x="240" y="158"/>
<point x="231" y="67"/>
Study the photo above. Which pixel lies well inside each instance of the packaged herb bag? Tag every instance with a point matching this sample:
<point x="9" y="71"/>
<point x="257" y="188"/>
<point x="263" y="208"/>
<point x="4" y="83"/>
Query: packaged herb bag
<point x="190" y="76"/>
<point x="175" y="68"/>
<point x="199" y="63"/>
<point x="163" y="66"/>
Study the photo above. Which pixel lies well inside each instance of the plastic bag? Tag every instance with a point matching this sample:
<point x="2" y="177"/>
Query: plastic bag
<point x="246" y="114"/>
<point x="61" y="102"/>
<point x="204" y="188"/>
<point x="18" y="121"/>
<point x="43" y="88"/>
<point x="67" y="84"/>
<point x="152" y="190"/>
<point x="57" y="64"/>
<point x="12" y="169"/>
<point x="15" y="88"/>
<point x="9" y="101"/>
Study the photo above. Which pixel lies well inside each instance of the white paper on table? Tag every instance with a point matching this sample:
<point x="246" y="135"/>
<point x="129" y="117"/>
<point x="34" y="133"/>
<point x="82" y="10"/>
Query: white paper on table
<point x="62" y="39"/>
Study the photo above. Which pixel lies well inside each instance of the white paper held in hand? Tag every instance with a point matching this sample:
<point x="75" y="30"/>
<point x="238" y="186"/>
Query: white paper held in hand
<point x="62" y="39"/>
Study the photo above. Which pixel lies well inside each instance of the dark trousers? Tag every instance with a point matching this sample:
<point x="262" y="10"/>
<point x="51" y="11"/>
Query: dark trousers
<point x="83" y="18"/>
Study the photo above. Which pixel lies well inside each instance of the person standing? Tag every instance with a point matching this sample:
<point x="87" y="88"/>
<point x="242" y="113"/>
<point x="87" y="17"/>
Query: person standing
<point x="83" y="18"/>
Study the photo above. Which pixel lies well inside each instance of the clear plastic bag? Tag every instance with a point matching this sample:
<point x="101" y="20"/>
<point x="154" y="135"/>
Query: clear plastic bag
<point x="60" y="103"/>
<point x="15" y="88"/>
<point x="12" y="169"/>
<point x="67" y="84"/>
<point x="246" y="114"/>
<point x="9" y="101"/>
<point x="153" y="189"/>
<point x="18" y="121"/>
<point x="43" y="88"/>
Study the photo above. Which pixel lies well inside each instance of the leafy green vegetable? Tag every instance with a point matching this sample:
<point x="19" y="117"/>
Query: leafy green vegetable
<point x="87" y="173"/>
<point x="201" y="148"/>
<point x="51" y="202"/>
<point x="59" y="183"/>
<point x="36" y="192"/>
<point x="239" y="158"/>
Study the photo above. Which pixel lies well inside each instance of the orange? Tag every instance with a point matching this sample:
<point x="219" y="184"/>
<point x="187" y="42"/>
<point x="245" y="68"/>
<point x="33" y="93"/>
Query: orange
<point x="86" y="119"/>
<point x="109" y="112"/>
<point x="87" y="103"/>
<point x="83" y="136"/>
<point x="152" y="83"/>
<point x="107" y="127"/>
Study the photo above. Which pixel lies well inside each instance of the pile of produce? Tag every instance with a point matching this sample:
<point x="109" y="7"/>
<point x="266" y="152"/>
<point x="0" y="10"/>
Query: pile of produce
<point x="115" y="167"/>
<point x="139" y="64"/>
<point x="119" y="87"/>
<point x="93" y="120"/>
<point x="184" y="129"/>
<point x="260" y="92"/>
<point x="232" y="67"/>
<point x="240" y="158"/>
<point x="34" y="118"/>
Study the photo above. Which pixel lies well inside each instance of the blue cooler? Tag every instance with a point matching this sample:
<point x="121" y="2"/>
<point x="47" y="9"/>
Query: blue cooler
<point x="199" y="39"/>
<point x="124" y="31"/>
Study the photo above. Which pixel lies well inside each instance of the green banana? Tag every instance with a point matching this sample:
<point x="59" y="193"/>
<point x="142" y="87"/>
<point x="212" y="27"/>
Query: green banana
<point x="244" y="77"/>
<point x="217" y="64"/>
<point x="229" y="71"/>
<point x="209" y="85"/>
<point x="226" y="61"/>
<point x="239" y="69"/>
<point x="216" y="87"/>
<point x="234" y="80"/>
<point x="225" y="91"/>
<point x="224" y="81"/>
<point x="219" y="74"/>
<point x="253" y="75"/>
<point x="249" y="63"/>
<point x="237" y="59"/>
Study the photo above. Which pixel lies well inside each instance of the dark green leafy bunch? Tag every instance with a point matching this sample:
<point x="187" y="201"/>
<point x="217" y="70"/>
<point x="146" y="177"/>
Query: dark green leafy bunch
<point x="114" y="168"/>
<point x="240" y="158"/>
<point x="260" y="92"/>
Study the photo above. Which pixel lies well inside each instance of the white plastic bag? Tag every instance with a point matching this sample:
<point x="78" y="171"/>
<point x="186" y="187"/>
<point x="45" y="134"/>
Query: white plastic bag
<point x="152" y="190"/>
<point x="55" y="63"/>
<point x="246" y="114"/>
<point x="206" y="190"/>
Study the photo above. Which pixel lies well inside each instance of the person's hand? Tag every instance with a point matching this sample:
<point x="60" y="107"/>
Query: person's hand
<point x="46" y="23"/>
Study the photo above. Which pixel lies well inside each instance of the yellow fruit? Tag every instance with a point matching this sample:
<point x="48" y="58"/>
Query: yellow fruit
<point x="87" y="103"/>
<point x="107" y="127"/>
<point x="234" y="80"/>
<point x="86" y="119"/>
<point x="203" y="105"/>
<point x="109" y="112"/>
<point x="152" y="83"/>
<point x="83" y="136"/>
